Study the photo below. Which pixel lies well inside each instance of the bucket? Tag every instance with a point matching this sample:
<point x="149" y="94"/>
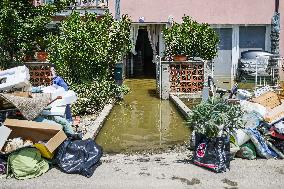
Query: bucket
<point x="241" y="137"/>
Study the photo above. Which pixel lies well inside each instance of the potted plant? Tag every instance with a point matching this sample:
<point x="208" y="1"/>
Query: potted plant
<point x="215" y="117"/>
<point x="28" y="52"/>
<point x="212" y="122"/>
<point x="28" y="57"/>
<point x="41" y="54"/>
<point x="190" y="39"/>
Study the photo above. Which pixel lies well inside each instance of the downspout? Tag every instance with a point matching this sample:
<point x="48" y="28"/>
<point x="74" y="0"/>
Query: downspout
<point x="117" y="9"/>
<point x="277" y="6"/>
<point x="275" y="30"/>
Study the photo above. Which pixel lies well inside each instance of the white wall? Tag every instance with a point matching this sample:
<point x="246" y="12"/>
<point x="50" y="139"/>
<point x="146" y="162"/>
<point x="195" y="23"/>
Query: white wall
<point x="229" y="74"/>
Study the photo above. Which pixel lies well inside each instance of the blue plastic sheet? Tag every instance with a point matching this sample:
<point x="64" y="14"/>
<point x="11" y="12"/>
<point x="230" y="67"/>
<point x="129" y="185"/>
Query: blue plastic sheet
<point x="262" y="149"/>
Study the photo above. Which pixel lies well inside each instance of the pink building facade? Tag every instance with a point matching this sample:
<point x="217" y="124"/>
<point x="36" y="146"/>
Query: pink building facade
<point x="215" y="12"/>
<point x="241" y="24"/>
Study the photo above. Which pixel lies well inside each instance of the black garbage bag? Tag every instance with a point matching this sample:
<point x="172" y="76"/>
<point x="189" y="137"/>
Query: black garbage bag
<point x="3" y="166"/>
<point x="212" y="153"/>
<point x="79" y="157"/>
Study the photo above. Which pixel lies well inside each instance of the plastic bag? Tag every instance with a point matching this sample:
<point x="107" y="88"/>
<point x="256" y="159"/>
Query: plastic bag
<point x="212" y="153"/>
<point x="3" y="166"/>
<point x="78" y="156"/>
<point x="27" y="163"/>
<point x="259" y="142"/>
<point x="247" y="151"/>
<point x="250" y="107"/>
<point x="240" y="137"/>
<point x="243" y="94"/>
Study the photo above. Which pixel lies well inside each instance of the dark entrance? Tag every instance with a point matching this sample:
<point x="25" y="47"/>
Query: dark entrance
<point x="143" y="62"/>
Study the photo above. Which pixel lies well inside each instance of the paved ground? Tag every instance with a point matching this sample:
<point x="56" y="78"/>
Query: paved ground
<point x="171" y="170"/>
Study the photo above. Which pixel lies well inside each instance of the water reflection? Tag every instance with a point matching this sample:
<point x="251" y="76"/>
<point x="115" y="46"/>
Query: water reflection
<point x="142" y="121"/>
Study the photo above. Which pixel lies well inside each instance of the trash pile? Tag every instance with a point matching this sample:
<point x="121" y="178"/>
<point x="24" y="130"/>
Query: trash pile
<point x="36" y="129"/>
<point x="263" y="133"/>
<point x="258" y="131"/>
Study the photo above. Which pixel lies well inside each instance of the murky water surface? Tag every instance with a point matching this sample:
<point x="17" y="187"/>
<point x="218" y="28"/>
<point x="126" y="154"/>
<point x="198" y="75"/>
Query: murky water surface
<point x="192" y="102"/>
<point x="142" y="121"/>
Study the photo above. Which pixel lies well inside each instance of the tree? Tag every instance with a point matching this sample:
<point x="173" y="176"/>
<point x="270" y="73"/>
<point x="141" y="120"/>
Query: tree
<point x="85" y="52"/>
<point x="87" y="47"/>
<point x="191" y="39"/>
<point x="21" y="23"/>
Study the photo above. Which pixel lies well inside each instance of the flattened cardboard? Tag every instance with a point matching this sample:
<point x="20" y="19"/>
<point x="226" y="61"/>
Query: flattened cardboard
<point x="52" y="134"/>
<point x="52" y="144"/>
<point x="32" y="124"/>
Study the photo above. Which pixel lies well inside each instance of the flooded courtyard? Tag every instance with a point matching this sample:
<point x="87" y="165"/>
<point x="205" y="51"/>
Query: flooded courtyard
<point x="142" y="121"/>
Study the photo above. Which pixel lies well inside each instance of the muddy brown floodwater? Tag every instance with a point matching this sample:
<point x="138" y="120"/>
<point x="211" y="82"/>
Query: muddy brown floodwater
<point x="142" y="122"/>
<point x="191" y="103"/>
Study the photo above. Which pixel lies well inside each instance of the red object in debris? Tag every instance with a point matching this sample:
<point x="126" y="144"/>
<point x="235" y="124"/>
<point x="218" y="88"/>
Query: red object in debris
<point x="275" y="134"/>
<point x="77" y="120"/>
<point x="18" y="113"/>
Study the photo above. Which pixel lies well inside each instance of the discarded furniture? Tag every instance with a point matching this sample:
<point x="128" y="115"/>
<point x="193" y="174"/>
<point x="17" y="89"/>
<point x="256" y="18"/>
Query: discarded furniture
<point x="274" y="106"/>
<point x="14" y="79"/>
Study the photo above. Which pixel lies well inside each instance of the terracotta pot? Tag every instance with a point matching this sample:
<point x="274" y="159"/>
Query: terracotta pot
<point x="180" y="58"/>
<point x="27" y="58"/>
<point x="41" y="56"/>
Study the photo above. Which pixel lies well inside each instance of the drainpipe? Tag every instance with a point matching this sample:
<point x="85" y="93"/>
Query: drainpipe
<point x="275" y="30"/>
<point x="117" y="9"/>
<point x="277" y="6"/>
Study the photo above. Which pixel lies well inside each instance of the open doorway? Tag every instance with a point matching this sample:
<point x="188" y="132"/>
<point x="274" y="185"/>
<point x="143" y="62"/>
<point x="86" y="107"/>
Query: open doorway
<point x="143" y="65"/>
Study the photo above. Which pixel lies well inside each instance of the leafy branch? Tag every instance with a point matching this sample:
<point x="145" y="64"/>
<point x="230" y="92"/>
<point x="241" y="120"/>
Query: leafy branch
<point x="215" y="116"/>
<point x="191" y="39"/>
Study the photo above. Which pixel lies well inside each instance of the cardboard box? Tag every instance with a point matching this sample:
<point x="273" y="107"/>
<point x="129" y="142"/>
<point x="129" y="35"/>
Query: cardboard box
<point x="51" y="134"/>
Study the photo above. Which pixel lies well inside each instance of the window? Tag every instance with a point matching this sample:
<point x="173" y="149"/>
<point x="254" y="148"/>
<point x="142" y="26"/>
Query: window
<point x="225" y="37"/>
<point x="252" y="37"/>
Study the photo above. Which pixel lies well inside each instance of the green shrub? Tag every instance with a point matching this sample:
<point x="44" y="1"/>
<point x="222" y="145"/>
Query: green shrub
<point x="86" y="49"/>
<point x="21" y="23"/>
<point x="84" y="52"/>
<point x="215" y="116"/>
<point x="191" y="39"/>
<point x="93" y="96"/>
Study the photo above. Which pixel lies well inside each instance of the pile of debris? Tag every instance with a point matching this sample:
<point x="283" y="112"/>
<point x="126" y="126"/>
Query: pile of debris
<point x="248" y="126"/>
<point x="35" y="130"/>
<point x="263" y="133"/>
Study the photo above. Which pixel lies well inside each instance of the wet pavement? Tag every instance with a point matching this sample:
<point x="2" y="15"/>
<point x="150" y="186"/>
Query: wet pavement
<point x="166" y="171"/>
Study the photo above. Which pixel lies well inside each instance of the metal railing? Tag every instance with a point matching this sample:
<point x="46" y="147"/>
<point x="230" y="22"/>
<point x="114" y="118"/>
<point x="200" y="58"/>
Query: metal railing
<point x="79" y="4"/>
<point x="82" y="4"/>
